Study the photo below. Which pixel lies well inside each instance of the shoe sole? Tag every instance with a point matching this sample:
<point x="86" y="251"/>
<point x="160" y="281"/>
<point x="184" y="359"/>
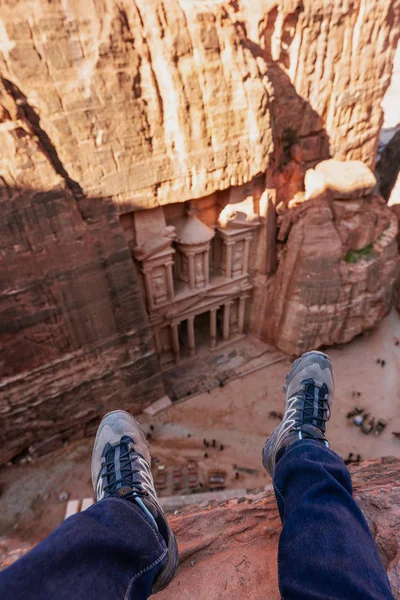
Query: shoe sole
<point x="316" y="362"/>
<point x="112" y="427"/>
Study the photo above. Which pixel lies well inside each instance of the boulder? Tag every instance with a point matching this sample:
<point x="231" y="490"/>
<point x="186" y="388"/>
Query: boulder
<point x="341" y="180"/>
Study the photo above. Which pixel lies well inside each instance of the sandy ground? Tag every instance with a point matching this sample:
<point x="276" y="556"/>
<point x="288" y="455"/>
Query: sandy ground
<point x="237" y="416"/>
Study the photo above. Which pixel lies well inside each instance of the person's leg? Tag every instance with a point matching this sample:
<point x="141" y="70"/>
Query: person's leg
<point x="111" y="550"/>
<point x="326" y="550"/>
<point x="121" y="547"/>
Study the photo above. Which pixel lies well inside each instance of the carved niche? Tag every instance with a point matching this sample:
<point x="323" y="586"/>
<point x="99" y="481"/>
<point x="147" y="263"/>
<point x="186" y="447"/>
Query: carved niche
<point x="234" y="245"/>
<point x="193" y="240"/>
<point x="154" y="254"/>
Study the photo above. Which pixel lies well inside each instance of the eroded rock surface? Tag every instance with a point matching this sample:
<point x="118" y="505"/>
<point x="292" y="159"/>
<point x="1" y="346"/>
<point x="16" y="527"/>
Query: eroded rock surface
<point x="229" y="551"/>
<point x="74" y="333"/>
<point x="153" y="102"/>
<point x="338" y="261"/>
<point x="110" y="107"/>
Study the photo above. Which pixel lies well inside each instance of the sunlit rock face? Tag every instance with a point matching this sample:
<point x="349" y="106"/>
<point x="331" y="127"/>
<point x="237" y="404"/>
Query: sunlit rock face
<point x="109" y="109"/>
<point x="338" y="260"/>
<point x="155" y="102"/>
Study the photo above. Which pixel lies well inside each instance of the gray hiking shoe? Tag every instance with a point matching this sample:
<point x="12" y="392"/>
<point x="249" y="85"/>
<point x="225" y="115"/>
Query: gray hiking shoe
<point x="121" y="468"/>
<point x="308" y="400"/>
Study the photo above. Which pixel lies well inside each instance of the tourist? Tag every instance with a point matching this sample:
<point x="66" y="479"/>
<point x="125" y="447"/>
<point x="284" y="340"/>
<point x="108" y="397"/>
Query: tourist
<point x="123" y="547"/>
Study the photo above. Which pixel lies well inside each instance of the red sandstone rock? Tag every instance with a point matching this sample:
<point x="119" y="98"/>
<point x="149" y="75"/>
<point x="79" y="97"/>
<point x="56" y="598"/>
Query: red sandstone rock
<point x="229" y="551"/>
<point x="156" y="102"/>
<point x="110" y="107"/>
<point x="337" y="268"/>
<point x="341" y="180"/>
<point x="73" y="329"/>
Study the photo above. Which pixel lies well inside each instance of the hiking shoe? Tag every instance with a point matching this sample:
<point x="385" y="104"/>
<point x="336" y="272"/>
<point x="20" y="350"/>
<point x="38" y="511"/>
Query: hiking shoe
<point x="308" y="400"/>
<point x="121" y="468"/>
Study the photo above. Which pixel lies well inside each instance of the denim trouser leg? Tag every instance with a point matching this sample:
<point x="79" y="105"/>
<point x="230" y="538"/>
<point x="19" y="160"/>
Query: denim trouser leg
<point x="326" y="550"/>
<point x="111" y="550"/>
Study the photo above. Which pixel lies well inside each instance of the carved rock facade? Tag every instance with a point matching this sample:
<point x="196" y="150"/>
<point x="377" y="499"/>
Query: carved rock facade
<point x="112" y="109"/>
<point x="195" y="278"/>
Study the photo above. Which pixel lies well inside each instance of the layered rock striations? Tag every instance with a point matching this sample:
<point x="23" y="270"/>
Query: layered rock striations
<point x="338" y="260"/>
<point x="112" y="107"/>
<point x="153" y="102"/>
<point x="75" y="341"/>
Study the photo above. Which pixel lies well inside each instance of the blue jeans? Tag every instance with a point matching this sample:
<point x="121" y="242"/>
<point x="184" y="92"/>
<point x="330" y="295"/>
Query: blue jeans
<point x="326" y="550"/>
<point x="112" y="550"/>
<point x="109" y="551"/>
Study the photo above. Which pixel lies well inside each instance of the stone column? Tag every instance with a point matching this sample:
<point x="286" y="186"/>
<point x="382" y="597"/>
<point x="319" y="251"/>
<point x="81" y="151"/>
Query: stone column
<point x="191" y="339"/>
<point x="206" y="268"/>
<point x="227" y="314"/>
<point x="170" y="282"/>
<point x="192" y="283"/>
<point x="228" y="266"/>
<point x="149" y="289"/>
<point x="242" y="307"/>
<point x="175" y="342"/>
<point x="246" y="255"/>
<point x="213" y="327"/>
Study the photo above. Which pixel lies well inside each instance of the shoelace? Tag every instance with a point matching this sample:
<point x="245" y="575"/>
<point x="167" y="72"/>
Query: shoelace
<point x="127" y="473"/>
<point x="133" y="488"/>
<point x="313" y="394"/>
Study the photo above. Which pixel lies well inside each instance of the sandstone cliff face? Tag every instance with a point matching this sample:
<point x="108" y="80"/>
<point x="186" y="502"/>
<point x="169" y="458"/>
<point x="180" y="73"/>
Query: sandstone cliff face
<point x="75" y="341"/>
<point x="229" y="551"/>
<point x="110" y="107"/>
<point x="146" y="102"/>
<point x="338" y="261"/>
<point x="153" y="102"/>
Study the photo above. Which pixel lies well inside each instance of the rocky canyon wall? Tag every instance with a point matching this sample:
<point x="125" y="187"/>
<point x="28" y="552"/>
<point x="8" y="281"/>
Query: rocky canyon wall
<point x="74" y="336"/>
<point x="338" y="260"/>
<point x="75" y="341"/>
<point x="153" y="102"/>
<point x="109" y="107"/>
